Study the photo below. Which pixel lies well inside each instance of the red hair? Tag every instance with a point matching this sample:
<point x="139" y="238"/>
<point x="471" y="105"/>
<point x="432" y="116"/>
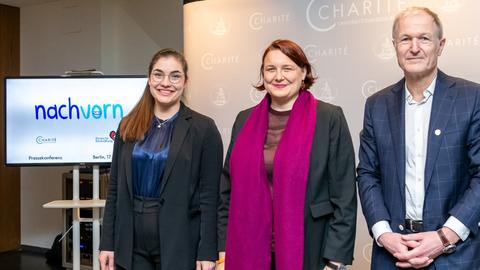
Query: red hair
<point x="293" y="51"/>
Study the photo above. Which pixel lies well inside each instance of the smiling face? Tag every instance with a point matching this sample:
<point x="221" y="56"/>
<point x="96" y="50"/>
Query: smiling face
<point x="418" y="45"/>
<point x="282" y="79"/>
<point x="167" y="82"/>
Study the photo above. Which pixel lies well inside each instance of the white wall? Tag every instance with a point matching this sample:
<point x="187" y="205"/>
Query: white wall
<point x="132" y="31"/>
<point x="115" y="36"/>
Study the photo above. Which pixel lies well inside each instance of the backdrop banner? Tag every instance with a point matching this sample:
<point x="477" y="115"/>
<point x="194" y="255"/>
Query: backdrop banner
<point x="349" y="44"/>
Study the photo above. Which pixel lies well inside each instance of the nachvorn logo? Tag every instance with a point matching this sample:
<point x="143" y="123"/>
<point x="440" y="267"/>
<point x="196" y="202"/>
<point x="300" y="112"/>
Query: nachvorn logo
<point x="70" y="111"/>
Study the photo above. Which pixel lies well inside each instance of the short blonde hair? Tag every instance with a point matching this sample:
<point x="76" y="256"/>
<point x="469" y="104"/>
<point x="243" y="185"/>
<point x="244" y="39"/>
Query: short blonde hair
<point x="416" y="10"/>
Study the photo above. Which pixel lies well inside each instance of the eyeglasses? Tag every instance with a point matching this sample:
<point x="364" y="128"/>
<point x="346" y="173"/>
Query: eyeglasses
<point x="174" y="77"/>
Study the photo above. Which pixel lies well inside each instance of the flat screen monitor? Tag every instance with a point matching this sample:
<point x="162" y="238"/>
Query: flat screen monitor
<point x="66" y="120"/>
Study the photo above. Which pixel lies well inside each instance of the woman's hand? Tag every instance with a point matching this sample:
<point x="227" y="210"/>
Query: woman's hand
<point x="220" y="266"/>
<point x="106" y="260"/>
<point x="205" y="265"/>
<point x="221" y="256"/>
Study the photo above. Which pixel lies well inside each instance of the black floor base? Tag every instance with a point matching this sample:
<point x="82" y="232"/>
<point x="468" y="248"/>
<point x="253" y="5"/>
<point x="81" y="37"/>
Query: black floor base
<point x="26" y="258"/>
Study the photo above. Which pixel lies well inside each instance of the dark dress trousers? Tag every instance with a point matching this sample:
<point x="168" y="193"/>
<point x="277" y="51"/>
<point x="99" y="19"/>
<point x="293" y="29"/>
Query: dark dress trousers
<point x="188" y="196"/>
<point x="331" y="198"/>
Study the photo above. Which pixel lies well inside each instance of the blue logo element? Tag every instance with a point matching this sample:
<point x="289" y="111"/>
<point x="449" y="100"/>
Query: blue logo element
<point x="73" y="111"/>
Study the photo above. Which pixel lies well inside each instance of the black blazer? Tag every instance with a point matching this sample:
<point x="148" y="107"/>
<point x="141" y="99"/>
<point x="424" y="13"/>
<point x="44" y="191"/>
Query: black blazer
<point x="331" y="199"/>
<point x="188" y="196"/>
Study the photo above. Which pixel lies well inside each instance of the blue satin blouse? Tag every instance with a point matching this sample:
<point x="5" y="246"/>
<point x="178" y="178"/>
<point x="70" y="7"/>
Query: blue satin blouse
<point x="149" y="157"/>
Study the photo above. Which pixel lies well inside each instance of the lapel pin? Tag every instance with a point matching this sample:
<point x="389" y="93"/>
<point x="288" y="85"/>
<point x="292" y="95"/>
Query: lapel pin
<point x="438" y="132"/>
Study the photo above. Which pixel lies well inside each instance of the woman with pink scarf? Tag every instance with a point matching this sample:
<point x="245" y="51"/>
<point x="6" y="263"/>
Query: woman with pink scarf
<point x="287" y="195"/>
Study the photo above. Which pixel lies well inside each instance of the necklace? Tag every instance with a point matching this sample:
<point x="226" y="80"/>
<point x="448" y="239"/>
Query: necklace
<point x="161" y="123"/>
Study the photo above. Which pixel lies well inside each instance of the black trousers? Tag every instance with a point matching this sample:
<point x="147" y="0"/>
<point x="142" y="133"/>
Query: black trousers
<point x="146" y="238"/>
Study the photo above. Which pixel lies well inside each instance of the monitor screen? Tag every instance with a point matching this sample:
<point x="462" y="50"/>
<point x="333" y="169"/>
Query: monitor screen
<point x="66" y="120"/>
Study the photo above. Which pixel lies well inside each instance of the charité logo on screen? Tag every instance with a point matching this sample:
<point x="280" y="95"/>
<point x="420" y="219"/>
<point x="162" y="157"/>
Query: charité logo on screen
<point x="71" y="110"/>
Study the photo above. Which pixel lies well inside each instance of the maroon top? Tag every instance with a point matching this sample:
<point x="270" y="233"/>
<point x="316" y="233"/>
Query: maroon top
<point x="276" y="125"/>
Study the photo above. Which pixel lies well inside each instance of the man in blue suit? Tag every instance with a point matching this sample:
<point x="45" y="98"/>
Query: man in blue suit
<point x="419" y="170"/>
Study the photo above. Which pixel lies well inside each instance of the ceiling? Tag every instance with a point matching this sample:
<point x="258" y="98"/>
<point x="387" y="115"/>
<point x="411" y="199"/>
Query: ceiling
<point x="22" y="3"/>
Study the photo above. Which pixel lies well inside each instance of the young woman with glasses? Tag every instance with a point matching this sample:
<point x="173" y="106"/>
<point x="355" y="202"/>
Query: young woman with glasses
<point x="163" y="188"/>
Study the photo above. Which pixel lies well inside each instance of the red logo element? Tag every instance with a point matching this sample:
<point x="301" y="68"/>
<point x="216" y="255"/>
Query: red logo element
<point x="112" y="135"/>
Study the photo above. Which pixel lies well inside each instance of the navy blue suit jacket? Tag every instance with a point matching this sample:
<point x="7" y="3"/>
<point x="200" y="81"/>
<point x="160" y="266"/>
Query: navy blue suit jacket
<point x="452" y="169"/>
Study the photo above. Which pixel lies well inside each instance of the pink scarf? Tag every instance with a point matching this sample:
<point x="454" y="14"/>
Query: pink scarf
<point x="252" y="210"/>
